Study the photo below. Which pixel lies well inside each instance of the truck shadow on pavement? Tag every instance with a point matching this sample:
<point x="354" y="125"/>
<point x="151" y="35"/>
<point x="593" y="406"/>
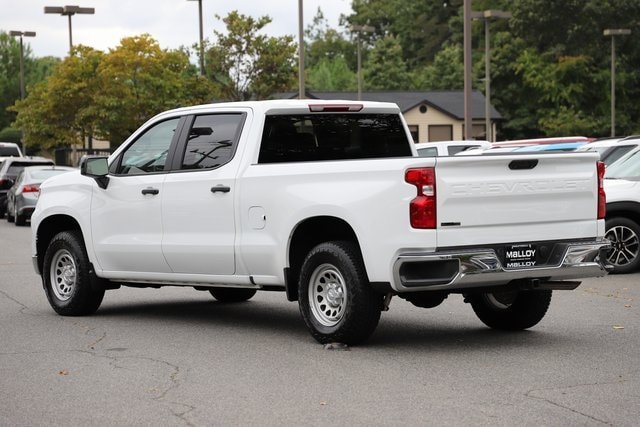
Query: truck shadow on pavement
<point x="283" y="319"/>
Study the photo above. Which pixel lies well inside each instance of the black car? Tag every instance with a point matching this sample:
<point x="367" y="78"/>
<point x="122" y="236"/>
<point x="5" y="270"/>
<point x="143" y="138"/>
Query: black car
<point x="9" y="170"/>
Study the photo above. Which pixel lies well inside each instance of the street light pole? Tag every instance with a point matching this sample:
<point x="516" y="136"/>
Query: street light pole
<point x="201" y="37"/>
<point x="467" y="68"/>
<point x="301" y="91"/>
<point x="69" y="11"/>
<point x="487" y="16"/>
<point x="613" y="33"/>
<point x="360" y="29"/>
<point x="22" y="34"/>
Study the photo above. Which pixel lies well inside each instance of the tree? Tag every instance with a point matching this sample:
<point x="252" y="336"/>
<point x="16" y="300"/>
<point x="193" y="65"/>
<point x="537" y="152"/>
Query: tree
<point x="446" y="72"/>
<point x="385" y="69"/>
<point x="57" y="111"/>
<point x="331" y="74"/>
<point x="93" y="94"/>
<point x="138" y="80"/>
<point x="244" y="64"/>
<point x="325" y="43"/>
<point x="330" y="59"/>
<point x="421" y="27"/>
<point x="9" y="75"/>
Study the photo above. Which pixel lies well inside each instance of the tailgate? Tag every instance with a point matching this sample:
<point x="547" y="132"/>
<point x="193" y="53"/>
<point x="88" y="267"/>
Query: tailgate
<point x="516" y="198"/>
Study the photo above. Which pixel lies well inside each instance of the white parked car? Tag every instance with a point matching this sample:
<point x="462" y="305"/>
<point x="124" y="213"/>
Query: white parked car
<point x="449" y="148"/>
<point x="622" y="186"/>
<point x="9" y="149"/>
<point x="612" y="149"/>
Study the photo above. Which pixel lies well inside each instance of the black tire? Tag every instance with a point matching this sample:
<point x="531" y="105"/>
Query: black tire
<point x="335" y="299"/>
<point x="10" y="218"/>
<point x="69" y="283"/>
<point x="19" y="219"/>
<point x="511" y="310"/>
<point x="624" y="235"/>
<point x="232" y="294"/>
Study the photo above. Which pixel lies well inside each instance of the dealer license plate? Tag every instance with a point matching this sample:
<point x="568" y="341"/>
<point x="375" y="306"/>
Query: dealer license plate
<point x="520" y="256"/>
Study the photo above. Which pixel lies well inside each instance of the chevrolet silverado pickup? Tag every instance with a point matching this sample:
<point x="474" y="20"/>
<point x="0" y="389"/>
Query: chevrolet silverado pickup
<point x="328" y="202"/>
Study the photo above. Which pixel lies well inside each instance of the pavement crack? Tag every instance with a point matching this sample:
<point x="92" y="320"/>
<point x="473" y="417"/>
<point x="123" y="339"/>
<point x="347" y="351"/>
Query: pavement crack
<point x="9" y="297"/>
<point x="93" y="345"/>
<point x="161" y="394"/>
<point x="529" y="394"/>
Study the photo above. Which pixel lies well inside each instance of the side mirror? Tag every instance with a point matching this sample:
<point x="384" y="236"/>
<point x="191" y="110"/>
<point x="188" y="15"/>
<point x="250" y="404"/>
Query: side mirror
<point x="95" y="167"/>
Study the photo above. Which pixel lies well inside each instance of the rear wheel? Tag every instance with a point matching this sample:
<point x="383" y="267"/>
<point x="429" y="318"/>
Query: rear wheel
<point x="335" y="299"/>
<point x="68" y="281"/>
<point x="624" y="235"/>
<point x="511" y="310"/>
<point x="19" y="219"/>
<point x="232" y="294"/>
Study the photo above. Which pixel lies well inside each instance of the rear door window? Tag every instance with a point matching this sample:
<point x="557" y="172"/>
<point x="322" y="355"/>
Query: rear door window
<point x="315" y="137"/>
<point x="211" y="141"/>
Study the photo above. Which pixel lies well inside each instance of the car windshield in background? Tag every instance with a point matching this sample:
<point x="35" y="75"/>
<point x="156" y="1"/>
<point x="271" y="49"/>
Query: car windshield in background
<point x="626" y="168"/>
<point x="9" y="152"/>
<point x="314" y="137"/>
<point x="16" y="167"/>
<point x="41" y="175"/>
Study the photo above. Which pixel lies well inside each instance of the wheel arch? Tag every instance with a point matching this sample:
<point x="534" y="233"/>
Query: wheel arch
<point x="48" y="228"/>
<point x="630" y="210"/>
<point x="308" y="234"/>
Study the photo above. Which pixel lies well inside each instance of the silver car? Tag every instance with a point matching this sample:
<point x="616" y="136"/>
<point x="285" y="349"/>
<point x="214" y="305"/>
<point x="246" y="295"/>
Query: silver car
<point x="22" y="197"/>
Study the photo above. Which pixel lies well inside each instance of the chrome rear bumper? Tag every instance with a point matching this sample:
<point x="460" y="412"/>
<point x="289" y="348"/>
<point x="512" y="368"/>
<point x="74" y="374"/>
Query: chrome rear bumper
<point x="482" y="267"/>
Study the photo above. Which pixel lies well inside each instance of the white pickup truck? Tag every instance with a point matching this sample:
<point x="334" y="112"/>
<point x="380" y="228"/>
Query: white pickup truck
<point x="328" y="202"/>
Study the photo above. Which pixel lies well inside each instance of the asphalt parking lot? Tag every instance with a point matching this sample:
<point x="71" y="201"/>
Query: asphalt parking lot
<point x="175" y="356"/>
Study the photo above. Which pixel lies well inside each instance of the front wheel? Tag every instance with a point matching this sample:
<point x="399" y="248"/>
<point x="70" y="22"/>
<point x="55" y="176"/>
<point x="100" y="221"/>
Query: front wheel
<point x="67" y="277"/>
<point x="624" y="254"/>
<point x="232" y="294"/>
<point x="335" y="299"/>
<point x="511" y="310"/>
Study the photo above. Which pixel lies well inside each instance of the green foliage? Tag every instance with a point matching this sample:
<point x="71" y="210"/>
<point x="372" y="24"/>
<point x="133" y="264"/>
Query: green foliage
<point x="9" y="75"/>
<point x="325" y="43"/>
<point x="108" y="96"/>
<point x="421" y="27"/>
<point x="54" y="112"/>
<point x="446" y="72"/>
<point x="385" y="69"/>
<point x="10" y="135"/>
<point x="331" y="75"/>
<point x="247" y="65"/>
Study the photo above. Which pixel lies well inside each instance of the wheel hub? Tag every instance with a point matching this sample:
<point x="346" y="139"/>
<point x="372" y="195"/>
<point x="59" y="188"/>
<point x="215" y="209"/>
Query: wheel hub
<point x="63" y="275"/>
<point x="328" y="295"/>
<point x="334" y="294"/>
<point x="68" y="275"/>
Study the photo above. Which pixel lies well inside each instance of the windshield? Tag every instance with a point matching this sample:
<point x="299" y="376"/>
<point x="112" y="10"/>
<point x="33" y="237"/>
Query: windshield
<point x="627" y="167"/>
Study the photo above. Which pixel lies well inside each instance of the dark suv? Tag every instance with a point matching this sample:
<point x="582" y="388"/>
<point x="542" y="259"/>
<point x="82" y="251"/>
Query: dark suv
<point x="9" y="169"/>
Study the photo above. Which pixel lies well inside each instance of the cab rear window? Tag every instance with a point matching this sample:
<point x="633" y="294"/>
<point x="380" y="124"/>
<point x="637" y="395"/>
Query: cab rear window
<point x="316" y="137"/>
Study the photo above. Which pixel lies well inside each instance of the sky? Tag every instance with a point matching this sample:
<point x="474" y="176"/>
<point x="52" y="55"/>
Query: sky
<point x="173" y="23"/>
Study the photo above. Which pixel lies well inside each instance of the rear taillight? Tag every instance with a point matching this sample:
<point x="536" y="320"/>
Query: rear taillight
<point x="422" y="210"/>
<point x="32" y="188"/>
<point x="602" y="197"/>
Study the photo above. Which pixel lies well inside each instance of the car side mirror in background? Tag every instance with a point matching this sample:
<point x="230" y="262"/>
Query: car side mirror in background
<point x="95" y="167"/>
